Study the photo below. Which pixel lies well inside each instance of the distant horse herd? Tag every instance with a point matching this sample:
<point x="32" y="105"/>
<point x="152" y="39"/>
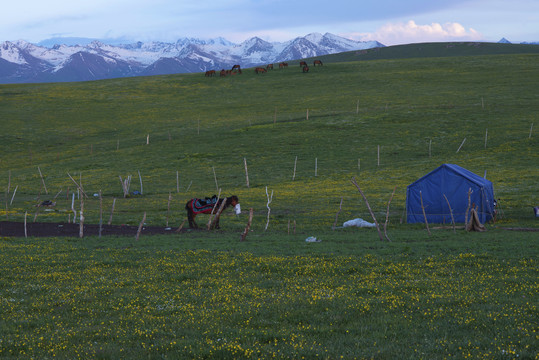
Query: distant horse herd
<point x="236" y="69"/>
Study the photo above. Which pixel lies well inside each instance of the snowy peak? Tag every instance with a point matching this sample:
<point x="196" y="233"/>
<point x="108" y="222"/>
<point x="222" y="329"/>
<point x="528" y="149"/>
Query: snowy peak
<point x="256" y="46"/>
<point x="11" y="53"/>
<point x="301" y="48"/>
<point x="315" y="38"/>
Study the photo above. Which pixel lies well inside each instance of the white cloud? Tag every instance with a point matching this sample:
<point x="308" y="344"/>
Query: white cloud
<point x="410" y="32"/>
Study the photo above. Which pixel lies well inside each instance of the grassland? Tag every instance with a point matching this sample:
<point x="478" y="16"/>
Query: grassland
<point x="430" y="50"/>
<point x="207" y="295"/>
<point x="350" y="296"/>
<point x="98" y="131"/>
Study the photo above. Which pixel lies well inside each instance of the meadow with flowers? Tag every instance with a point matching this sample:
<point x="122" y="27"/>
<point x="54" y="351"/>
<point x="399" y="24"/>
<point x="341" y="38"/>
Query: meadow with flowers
<point x="349" y="296"/>
<point x="206" y="294"/>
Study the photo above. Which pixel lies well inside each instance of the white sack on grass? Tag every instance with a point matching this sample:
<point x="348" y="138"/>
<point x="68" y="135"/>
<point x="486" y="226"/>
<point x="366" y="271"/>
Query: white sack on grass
<point x="358" y="222"/>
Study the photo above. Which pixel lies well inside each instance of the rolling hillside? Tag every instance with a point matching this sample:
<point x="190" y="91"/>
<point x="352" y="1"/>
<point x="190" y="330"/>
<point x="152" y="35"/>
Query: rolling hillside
<point x="427" y="50"/>
<point x="302" y="136"/>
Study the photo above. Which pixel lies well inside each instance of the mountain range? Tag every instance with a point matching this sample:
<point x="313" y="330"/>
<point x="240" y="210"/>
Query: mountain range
<point x="505" y="41"/>
<point x="24" y="62"/>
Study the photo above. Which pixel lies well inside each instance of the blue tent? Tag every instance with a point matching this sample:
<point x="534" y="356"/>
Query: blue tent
<point x="454" y="182"/>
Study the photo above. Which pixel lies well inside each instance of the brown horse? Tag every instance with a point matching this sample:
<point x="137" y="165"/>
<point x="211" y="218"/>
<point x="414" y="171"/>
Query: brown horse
<point x="235" y="70"/>
<point x="222" y="73"/>
<point x="302" y="63"/>
<point x="269" y="67"/>
<point x="305" y="69"/>
<point x="259" y="70"/>
<point x="210" y="73"/>
<point x="206" y="206"/>
<point x="283" y="65"/>
<point x="317" y="62"/>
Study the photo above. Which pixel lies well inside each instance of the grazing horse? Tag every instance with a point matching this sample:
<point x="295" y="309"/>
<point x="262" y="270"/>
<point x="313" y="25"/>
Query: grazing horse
<point x="210" y="73"/>
<point x="236" y="70"/>
<point x="283" y="65"/>
<point x="302" y="63"/>
<point x="197" y="206"/>
<point x="222" y="73"/>
<point x="236" y="67"/>
<point x="269" y="67"/>
<point x="305" y="69"/>
<point x="317" y="62"/>
<point x="259" y="70"/>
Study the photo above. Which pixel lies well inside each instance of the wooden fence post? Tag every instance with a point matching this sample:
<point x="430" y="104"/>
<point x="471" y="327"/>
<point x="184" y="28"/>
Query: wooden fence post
<point x="212" y="223"/>
<point x="336" y="216"/>
<point x="168" y="205"/>
<point x="246" y="231"/>
<point x="463" y="141"/>
<point x="141" y="188"/>
<point x="270" y="198"/>
<point x="73" y="208"/>
<point x="215" y="178"/>
<point x="140" y="226"/>
<point x="112" y="211"/>
<point x="25" y="230"/>
<point x="42" y="180"/>
<point x="246" y="172"/>
<point x="213" y="210"/>
<point x="387" y="214"/>
<point x="81" y="218"/>
<point x="424" y="214"/>
<point x="294" y="174"/>
<point x="100" y="213"/>
<point x="368" y="207"/>
<point x="468" y="208"/>
<point x="451" y="212"/>
<point x="13" y="197"/>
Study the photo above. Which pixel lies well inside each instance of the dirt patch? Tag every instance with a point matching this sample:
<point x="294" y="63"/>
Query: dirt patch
<point x="16" y="229"/>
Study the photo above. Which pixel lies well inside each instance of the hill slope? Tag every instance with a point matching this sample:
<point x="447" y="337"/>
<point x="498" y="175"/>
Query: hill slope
<point x="302" y="135"/>
<point x="428" y="50"/>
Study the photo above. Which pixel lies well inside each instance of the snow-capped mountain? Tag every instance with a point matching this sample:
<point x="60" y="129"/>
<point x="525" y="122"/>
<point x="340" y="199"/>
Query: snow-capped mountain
<point x="21" y="61"/>
<point x="505" y="41"/>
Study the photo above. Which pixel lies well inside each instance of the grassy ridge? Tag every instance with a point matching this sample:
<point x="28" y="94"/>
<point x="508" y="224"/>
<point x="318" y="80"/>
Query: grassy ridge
<point x="197" y="125"/>
<point x="430" y="50"/>
<point x="207" y="295"/>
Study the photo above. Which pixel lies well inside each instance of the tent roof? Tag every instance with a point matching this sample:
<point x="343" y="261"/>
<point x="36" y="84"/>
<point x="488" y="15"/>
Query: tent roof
<point x="476" y="179"/>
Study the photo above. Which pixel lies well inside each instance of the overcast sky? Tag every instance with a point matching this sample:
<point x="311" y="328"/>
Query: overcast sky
<point x="388" y="21"/>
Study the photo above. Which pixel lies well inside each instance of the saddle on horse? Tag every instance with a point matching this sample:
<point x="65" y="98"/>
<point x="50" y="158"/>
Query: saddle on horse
<point x="200" y="206"/>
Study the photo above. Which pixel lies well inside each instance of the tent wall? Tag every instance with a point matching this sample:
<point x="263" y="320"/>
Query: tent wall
<point x="454" y="182"/>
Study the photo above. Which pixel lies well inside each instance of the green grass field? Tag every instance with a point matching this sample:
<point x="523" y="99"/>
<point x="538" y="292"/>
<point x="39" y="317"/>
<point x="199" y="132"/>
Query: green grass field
<point x="208" y="295"/>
